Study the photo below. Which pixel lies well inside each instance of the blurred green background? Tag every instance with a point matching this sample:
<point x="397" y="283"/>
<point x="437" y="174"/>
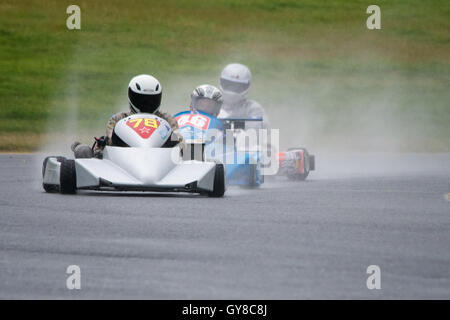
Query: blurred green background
<point x="326" y="81"/>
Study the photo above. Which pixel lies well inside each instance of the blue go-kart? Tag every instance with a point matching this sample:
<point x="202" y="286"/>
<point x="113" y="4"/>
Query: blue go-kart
<point x="221" y="140"/>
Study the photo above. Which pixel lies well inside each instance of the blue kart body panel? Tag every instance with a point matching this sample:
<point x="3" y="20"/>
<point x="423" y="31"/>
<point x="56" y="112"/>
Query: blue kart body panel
<point x="241" y="167"/>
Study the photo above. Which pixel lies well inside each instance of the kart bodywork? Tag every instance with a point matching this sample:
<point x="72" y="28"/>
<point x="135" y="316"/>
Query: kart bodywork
<point x="146" y="167"/>
<point x="242" y="165"/>
<point x="296" y="163"/>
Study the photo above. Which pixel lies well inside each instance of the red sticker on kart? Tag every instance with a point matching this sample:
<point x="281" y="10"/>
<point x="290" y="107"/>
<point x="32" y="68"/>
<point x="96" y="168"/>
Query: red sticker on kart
<point x="195" y="120"/>
<point x="143" y="126"/>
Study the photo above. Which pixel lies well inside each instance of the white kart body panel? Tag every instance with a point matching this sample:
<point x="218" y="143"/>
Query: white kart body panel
<point x="51" y="174"/>
<point x="136" y="168"/>
<point x="159" y="127"/>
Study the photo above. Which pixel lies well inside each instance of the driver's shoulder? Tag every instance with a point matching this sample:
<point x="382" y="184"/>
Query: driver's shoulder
<point x="252" y="104"/>
<point x="164" y="115"/>
<point x="168" y="117"/>
<point x="119" y="115"/>
<point x="255" y="107"/>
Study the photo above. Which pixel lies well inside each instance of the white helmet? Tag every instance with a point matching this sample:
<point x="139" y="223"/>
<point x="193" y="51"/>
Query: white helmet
<point x="207" y="98"/>
<point x="144" y="94"/>
<point x="235" y="82"/>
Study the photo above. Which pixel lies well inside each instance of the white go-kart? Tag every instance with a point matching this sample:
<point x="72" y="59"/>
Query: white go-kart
<point x="139" y="163"/>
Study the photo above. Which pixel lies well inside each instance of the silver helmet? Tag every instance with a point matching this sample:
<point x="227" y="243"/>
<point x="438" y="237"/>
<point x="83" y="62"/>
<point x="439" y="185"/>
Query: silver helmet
<point x="235" y="82"/>
<point x="206" y="98"/>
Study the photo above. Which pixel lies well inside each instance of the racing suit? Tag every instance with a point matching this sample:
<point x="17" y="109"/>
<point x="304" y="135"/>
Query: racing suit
<point x="245" y="109"/>
<point x="248" y="109"/>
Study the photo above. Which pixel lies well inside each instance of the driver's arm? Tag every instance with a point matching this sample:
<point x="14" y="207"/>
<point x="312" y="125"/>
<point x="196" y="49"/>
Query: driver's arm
<point x="112" y="123"/>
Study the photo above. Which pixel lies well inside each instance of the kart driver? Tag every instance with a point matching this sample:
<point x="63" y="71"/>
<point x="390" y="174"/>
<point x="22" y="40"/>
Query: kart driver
<point x="206" y="98"/>
<point x="235" y="82"/>
<point x="144" y="95"/>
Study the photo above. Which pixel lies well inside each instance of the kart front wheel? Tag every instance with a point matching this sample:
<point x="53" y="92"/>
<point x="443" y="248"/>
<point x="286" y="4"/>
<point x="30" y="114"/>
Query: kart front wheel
<point x="219" y="182"/>
<point x="68" y="177"/>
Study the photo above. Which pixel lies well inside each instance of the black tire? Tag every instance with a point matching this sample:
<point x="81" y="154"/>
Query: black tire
<point x="51" y="188"/>
<point x="312" y="162"/>
<point x="68" y="177"/>
<point x="219" y="182"/>
<point x="303" y="176"/>
<point x="298" y="176"/>
<point x="252" y="182"/>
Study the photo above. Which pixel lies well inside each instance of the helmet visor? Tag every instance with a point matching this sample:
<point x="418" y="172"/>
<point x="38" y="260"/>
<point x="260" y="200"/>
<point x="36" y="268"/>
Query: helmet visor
<point x="237" y="87"/>
<point x="206" y="105"/>
<point x="148" y="103"/>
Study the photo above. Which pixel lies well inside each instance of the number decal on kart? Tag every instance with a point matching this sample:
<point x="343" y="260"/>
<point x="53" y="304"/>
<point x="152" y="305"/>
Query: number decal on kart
<point x="143" y="126"/>
<point x="195" y="120"/>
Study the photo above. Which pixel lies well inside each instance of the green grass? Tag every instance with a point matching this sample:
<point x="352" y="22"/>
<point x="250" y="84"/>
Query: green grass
<point x="322" y="76"/>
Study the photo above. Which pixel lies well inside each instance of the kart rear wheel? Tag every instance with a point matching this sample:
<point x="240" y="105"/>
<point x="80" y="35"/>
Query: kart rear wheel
<point x="51" y="188"/>
<point x="312" y="162"/>
<point x="68" y="177"/>
<point x="254" y="176"/>
<point x="307" y="167"/>
<point x="219" y="182"/>
<point x="298" y="176"/>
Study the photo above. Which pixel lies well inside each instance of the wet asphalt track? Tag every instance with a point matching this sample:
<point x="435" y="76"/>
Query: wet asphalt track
<point x="285" y="241"/>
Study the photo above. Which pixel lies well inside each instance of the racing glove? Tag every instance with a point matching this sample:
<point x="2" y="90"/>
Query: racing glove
<point x="101" y="142"/>
<point x="99" y="145"/>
